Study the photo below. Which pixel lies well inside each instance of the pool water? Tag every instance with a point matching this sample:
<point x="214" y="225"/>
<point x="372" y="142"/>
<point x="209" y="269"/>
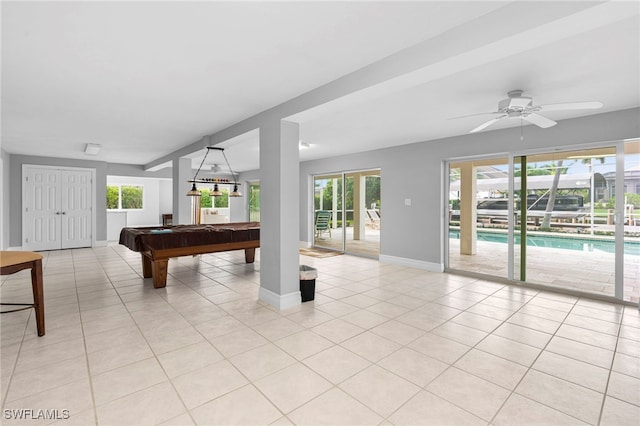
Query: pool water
<point x="552" y="241"/>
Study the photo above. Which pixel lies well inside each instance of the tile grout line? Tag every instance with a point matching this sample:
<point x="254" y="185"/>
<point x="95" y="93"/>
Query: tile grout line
<point x="613" y="360"/>
<point x="84" y="343"/>
<point x="155" y="356"/>
<point x="15" y="363"/>
<point x="26" y="325"/>
<point x="224" y="358"/>
<point x="530" y="368"/>
<point x="424" y="388"/>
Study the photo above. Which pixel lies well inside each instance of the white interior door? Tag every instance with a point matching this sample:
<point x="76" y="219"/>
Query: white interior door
<point x="75" y="208"/>
<point x="42" y="214"/>
<point x="57" y="208"/>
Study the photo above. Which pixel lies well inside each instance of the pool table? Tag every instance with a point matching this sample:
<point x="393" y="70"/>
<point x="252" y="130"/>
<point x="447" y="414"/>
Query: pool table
<point x="158" y="244"/>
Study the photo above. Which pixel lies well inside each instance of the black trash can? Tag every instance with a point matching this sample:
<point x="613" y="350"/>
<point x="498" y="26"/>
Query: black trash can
<point x="308" y="277"/>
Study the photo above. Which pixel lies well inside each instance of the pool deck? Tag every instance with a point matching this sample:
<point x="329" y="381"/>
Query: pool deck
<point x="585" y="271"/>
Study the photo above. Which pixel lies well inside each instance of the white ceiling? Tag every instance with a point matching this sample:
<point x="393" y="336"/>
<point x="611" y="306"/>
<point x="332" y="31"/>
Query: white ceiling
<point x="144" y="79"/>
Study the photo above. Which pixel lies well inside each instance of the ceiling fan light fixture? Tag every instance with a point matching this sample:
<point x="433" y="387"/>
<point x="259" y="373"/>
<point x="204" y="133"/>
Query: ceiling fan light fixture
<point x="522" y="107"/>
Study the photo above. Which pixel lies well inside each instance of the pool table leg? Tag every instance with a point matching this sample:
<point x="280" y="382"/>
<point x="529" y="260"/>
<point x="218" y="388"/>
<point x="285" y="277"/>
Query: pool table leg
<point x="160" y="273"/>
<point x="249" y="255"/>
<point x="156" y="269"/>
<point x="146" y="266"/>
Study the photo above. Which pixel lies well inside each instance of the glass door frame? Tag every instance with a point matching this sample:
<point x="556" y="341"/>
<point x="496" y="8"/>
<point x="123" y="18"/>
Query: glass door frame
<point x="338" y="176"/>
<point x="513" y="158"/>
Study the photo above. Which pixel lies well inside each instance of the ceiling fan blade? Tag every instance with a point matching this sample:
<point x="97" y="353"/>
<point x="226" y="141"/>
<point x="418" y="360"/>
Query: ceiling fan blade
<point x="488" y="123"/>
<point x="539" y="120"/>
<point x="475" y="115"/>
<point x="571" y="105"/>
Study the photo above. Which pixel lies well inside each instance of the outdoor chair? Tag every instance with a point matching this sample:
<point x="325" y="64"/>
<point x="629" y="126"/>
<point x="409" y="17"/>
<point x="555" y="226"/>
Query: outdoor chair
<point x="322" y="223"/>
<point x="373" y="216"/>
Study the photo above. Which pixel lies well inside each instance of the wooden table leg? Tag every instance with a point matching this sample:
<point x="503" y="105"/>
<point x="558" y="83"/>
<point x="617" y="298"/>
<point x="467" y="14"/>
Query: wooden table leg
<point x="249" y="255"/>
<point x="160" y="272"/>
<point x="38" y="297"/>
<point x="146" y="267"/>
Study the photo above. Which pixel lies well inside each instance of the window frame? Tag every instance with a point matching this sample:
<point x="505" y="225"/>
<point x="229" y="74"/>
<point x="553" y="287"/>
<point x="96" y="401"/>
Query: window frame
<point x="119" y="186"/>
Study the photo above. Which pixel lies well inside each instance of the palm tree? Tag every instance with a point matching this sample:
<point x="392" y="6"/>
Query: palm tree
<point x="546" y="220"/>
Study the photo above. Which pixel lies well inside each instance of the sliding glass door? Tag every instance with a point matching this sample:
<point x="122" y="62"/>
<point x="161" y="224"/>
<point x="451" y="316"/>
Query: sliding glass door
<point x="347" y="212"/>
<point x="560" y="219"/>
<point x="362" y="213"/>
<point x="478" y="216"/>
<point x="569" y="234"/>
<point x="327" y="215"/>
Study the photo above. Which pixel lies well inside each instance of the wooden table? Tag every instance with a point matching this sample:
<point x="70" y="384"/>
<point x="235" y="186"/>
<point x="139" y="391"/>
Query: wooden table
<point x="15" y="261"/>
<point x="159" y="244"/>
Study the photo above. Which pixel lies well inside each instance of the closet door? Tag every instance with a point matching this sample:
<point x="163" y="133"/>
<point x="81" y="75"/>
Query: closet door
<point x="57" y="207"/>
<point x="41" y="209"/>
<point x="75" y="229"/>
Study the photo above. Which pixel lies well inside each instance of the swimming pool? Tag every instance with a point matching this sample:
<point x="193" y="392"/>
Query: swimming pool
<point x="561" y="242"/>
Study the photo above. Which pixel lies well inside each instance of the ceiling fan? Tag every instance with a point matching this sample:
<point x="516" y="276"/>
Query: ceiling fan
<point x="518" y="106"/>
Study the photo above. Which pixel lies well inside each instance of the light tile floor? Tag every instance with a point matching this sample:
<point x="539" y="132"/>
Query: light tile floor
<point x="381" y="344"/>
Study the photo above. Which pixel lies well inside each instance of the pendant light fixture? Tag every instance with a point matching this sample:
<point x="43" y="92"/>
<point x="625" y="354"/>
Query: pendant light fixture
<point x="194" y="192"/>
<point x="235" y="192"/>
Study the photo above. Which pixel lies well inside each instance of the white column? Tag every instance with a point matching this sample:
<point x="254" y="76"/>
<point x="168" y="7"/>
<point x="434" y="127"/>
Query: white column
<point x="182" y="172"/>
<point x="279" y="214"/>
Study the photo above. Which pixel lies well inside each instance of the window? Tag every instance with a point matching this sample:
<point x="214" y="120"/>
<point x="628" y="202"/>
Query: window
<point x="222" y="201"/>
<point x="124" y="197"/>
<point x="207" y="201"/>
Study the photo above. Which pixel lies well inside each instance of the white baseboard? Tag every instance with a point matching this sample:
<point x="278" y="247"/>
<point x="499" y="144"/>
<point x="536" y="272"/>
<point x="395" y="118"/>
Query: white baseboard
<point x="418" y="264"/>
<point x="284" y="301"/>
<point x="102" y="243"/>
<point x="304" y="244"/>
